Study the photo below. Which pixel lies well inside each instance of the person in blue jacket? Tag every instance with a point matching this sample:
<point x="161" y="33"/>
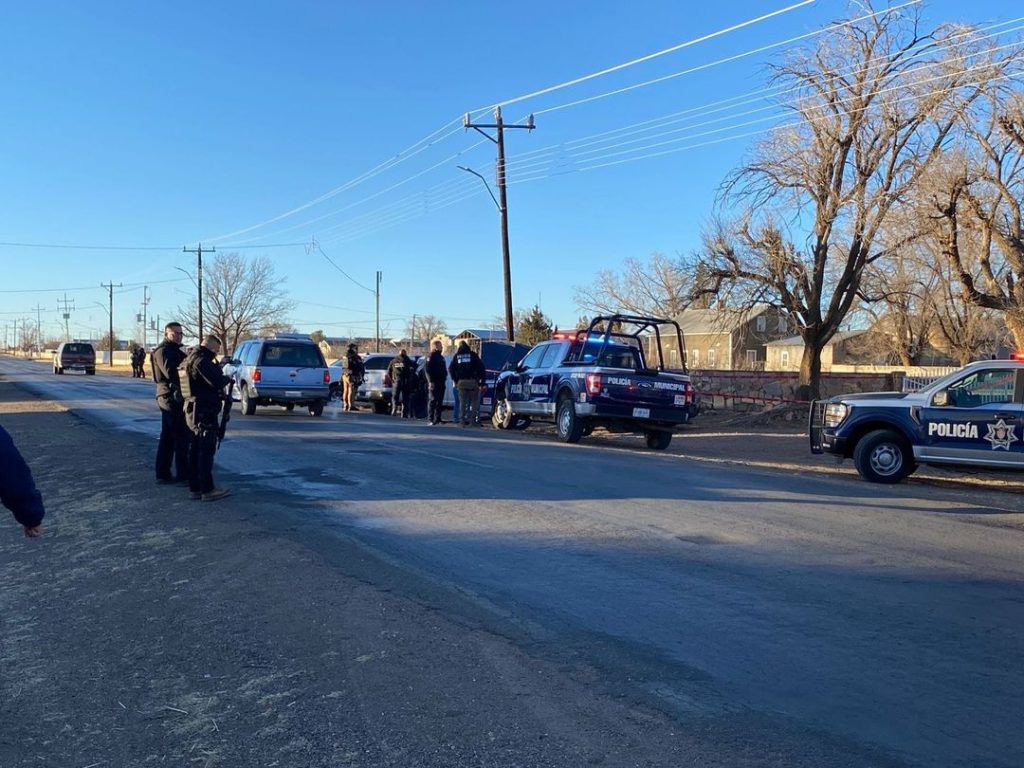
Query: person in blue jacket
<point x="18" y="490"/>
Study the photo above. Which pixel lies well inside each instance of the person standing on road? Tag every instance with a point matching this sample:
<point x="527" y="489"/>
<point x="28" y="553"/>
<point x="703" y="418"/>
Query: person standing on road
<point x="352" y="376"/>
<point x="175" y="437"/>
<point x="403" y="375"/>
<point x="18" y="490"/>
<point x="437" y="378"/>
<point x="206" y="383"/>
<point x="138" y="362"/>
<point x="468" y="374"/>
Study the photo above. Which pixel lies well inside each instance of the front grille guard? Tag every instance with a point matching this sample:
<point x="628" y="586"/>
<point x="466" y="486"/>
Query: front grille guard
<point x="816" y="424"/>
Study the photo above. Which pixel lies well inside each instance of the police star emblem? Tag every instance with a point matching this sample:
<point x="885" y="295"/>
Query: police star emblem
<point x="1001" y="434"/>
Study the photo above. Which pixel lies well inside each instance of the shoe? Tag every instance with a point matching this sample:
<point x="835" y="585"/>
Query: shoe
<point x="195" y="495"/>
<point x="216" y="494"/>
<point x="165" y="480"/>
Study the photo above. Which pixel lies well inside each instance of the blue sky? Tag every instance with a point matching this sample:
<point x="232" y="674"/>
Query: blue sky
<point x="159" y="124"/>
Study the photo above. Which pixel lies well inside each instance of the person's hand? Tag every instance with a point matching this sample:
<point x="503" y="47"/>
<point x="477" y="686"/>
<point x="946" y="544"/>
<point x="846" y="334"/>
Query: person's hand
<point x="33" y="531"/>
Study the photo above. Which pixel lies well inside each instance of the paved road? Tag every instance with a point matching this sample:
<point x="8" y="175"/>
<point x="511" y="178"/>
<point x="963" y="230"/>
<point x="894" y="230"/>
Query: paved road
<point x="891" y="619"/>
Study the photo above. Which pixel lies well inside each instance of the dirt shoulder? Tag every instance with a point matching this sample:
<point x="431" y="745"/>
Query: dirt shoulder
<point x="147" y="629"/>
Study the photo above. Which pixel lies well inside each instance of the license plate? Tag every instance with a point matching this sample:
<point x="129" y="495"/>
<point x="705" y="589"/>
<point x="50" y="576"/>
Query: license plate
<point x="486" y="401"/>
<point x="680" y="400"/>
<point x="375" y="393"/>
<point x="641" y="413"/>
<point x="292" y="393"/>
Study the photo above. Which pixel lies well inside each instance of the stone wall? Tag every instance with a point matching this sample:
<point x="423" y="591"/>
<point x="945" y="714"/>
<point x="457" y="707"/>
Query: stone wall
<point x="762" y="389"/>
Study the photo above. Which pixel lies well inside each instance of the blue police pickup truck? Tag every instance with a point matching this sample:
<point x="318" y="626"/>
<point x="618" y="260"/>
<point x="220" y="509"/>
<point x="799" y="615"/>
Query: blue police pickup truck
<point x="599" y="377"/>
<point x="973" y="417"/>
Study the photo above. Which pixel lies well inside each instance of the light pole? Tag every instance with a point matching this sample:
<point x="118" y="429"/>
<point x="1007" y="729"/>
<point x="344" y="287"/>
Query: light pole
<point x="200" y="290"/>
<point x="502" y="211"/>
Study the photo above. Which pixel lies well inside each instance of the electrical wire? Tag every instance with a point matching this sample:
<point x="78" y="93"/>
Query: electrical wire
<point x="655" y="55"/>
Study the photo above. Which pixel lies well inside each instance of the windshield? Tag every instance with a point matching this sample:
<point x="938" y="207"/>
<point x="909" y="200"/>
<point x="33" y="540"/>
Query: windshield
<point x="377" y="362"/>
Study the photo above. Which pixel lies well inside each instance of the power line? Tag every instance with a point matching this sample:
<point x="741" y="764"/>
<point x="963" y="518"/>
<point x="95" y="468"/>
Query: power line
<point x="655" y="55"/>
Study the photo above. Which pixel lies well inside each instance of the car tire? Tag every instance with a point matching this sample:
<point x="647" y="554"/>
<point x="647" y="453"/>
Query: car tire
<point x="247" y="406"/>
<point x="336" y="393"/>
<point x="316" y="410"/>
<point x="501" y="414"/>
<point x="289" y="407"/>
<point x="522" y="422"/>
<point x="59" y="371"/>
<point x="883" y="456"/>
<point x="381" y="407"/>
<point x="568" y="425"/>
<point x="658" y="439"/>
<point x="90" y="371"/>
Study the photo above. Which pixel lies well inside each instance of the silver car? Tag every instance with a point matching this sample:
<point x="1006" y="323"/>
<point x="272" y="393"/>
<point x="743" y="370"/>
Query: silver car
<point x="286" y="370"/>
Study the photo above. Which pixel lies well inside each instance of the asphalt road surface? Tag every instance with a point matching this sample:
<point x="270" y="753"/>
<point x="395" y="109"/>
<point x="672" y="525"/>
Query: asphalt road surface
<point x="887" y="618"/>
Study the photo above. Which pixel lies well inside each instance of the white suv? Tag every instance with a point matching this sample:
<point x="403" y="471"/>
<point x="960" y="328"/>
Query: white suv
<point x="287" y="369"/>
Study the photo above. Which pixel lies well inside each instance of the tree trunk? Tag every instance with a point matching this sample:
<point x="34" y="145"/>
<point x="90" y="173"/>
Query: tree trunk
<point x="810" y="373"/>
<point x="1015" y="322"/>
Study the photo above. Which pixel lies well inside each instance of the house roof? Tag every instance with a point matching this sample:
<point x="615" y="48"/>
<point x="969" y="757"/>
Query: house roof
<point x="796" y="341"/>
<point x="717" y="321"/>
<point x="484" y="334"/>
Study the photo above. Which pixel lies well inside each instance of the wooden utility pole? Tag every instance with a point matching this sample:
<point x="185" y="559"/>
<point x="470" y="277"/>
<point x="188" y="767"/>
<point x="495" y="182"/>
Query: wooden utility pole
<point x="378" y="310"/>
<point x="502" y="201"/>
<point x="110" y="339"/>
<point x="199" y="280"/>
<point x="65" y="307"/>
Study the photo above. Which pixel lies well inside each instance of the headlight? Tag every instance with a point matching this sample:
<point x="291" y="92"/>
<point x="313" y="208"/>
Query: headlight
<point x="835" y="413"/>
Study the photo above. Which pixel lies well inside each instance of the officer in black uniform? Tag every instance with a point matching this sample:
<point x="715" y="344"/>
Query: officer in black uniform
<point x="468" y="375"/>
<point x="403" y="378"/>
<point x="437" y="377"/>
<point x="174" y="435"/>
<point x="206" y="383"/>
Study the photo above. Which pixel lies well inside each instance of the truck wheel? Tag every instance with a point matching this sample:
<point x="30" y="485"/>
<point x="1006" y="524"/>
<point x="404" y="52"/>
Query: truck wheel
<point x="883" y="456"/>
<point x="381" y="407"/>
<point x="501" y="414"/>
<point x="317" y="409"/>
<point x="246" y="403"/>
<point x="335" y="393"/>
<point x="289" y="407"/>
<point x="90" y="371"/>
<point x="568" y="425"/>
<point x="658" y="439"/>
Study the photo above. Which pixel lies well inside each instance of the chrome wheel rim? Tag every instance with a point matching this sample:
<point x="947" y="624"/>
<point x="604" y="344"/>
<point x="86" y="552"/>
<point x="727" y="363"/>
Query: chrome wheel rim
<point x="886" y="459"/>
<point x="564" y="420"/>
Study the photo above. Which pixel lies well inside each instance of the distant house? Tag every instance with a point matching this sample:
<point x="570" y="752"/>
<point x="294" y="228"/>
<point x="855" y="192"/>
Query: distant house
<point x="480" y="334"/>
<point x="727" y="339"/>
<point x="843" y="349"/>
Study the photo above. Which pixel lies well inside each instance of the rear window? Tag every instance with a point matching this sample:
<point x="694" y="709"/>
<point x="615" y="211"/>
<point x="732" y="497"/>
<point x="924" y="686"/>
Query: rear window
<point x="79" y="349"/>
<point x="292" y="355"/>
<point x="608" y="355"/>
<point x="495" y="356"/>
<point x="377" y="363"/>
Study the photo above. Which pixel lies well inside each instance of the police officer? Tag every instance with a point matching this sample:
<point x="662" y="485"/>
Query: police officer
<point x="206" y="383"/>
<point x="18" y="490"/>
<point x="174" y="434"/>
<point x="437" y="377"/>
<point x="468" y="374"/>
<point x="403" y="378"/>
<point x="352" y="377"/>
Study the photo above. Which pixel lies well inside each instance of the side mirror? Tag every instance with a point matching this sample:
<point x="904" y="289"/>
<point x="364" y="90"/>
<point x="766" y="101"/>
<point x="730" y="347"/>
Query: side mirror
<point x="941" y="398"/>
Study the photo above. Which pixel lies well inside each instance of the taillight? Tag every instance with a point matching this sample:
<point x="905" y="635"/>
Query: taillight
<point x="387" y="379"/>
<point x="594" y="383"/>
<point x="327" y="377"/>
<point x="257" y="375"/>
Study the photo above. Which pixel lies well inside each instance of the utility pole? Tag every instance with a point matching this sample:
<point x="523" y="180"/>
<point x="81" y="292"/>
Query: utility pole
<point x="378" y="310"/>
<point x="199" y="280"/>
<point x="110" y="339"/>
<point x="65" y="307"/>
<point x="500" y="127"/>
<point x="16" y="336"/>
<point x="145" y="304"/>
<point x="39" y="328"/>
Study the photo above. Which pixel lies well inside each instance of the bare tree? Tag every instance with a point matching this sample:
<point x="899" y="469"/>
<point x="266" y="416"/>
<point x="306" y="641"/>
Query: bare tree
<point x="241" y="298"/>
<point x="425" y="327"/>
<point x="876" y="101"/>
<point x="659" y="286"/>
<point x="977" y="203"/>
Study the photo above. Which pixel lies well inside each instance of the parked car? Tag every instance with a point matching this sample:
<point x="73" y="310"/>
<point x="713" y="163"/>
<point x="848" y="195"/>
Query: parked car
<point x="336" y="388"/>
<point x="286" y="370"/>
<point x="74" y="356"/>
<point x="376" y="386"/>
<point x="968" y="418"/>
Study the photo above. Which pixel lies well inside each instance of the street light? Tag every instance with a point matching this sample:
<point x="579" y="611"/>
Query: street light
<point x="502" y="211"/>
